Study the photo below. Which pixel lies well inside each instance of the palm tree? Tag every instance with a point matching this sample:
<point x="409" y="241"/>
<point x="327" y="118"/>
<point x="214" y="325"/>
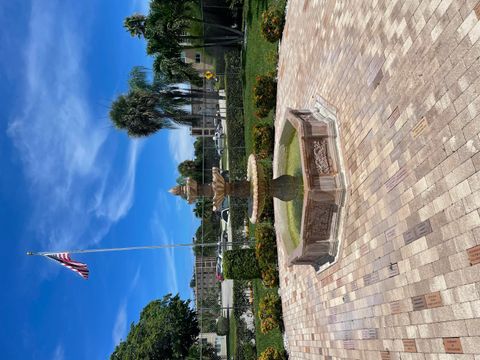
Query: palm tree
<point x="151" y="105"/>
<point x="135" y="25"/>
<point x="139" y="114"/>
<point x="166" y="31"/>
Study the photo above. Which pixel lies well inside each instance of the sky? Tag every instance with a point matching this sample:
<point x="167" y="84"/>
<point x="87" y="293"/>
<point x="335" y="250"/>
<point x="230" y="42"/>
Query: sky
<point x="71" y="181"/>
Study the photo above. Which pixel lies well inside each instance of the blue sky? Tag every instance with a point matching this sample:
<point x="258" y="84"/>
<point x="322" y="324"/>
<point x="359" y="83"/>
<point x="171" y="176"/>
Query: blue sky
<point x="69" y="180"/>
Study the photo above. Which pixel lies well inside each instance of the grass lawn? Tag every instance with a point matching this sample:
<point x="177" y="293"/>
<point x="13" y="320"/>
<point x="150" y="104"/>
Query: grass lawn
<point x="232" y="336"/>
<point x="295" y="207"/>
<point x="259" y="58"/>
<point x="274" y="337"/>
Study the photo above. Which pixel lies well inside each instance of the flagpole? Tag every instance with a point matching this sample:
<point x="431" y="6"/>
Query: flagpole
<point x="130" y="248"/>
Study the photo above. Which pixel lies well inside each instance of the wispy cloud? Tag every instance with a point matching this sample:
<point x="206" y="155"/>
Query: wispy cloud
<point x="140" y="6"/>
<point x="59" y="139"/>
<point x="180" y="144"/>
<point x="59" y="353"/>
<point x="120" y="328"/>
<point x="159" y="232"/>
<point x="119" y="331"/>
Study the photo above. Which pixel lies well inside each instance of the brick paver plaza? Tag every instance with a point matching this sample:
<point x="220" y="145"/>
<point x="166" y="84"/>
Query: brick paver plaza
<point x="405" y="79"/>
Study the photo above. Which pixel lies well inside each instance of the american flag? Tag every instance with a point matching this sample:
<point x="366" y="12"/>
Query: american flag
<point x="64" y="259"/>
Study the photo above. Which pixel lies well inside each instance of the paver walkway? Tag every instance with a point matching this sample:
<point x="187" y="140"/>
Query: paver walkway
<point x="404" y="77"/>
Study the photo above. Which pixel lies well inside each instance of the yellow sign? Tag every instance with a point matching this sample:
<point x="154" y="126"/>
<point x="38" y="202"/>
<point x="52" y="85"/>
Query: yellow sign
<point x="209" y="75"/>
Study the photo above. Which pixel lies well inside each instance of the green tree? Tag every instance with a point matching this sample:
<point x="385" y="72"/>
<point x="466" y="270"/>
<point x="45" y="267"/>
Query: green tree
<point x="166" y="30"/>
<point x="166" y="330"/>
<point x="204" y="351"/>
<point x="188" y="168"/>
<point x="135" y="25"/>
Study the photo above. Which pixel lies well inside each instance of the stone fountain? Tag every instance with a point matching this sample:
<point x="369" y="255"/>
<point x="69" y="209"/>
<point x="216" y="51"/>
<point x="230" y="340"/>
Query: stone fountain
<point x="319" y="187"/>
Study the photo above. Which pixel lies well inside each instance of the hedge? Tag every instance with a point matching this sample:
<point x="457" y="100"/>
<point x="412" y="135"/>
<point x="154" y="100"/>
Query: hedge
<point x="240" y="264"/>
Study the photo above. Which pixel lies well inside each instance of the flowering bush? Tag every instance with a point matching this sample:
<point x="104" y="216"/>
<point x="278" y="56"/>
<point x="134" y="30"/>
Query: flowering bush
<point x="265" y="94"/>
<point x="272" y="24"/>
<point x="270" y="276"/>
<point x="266" y="253"/>
<point x="269" y="312"/>
<point x="263" y="140"/>
<point x="271" y="353"/>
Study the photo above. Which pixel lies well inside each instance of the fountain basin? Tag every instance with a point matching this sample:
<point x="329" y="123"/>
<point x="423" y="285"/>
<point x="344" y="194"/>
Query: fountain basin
<point x="310" y="224"/>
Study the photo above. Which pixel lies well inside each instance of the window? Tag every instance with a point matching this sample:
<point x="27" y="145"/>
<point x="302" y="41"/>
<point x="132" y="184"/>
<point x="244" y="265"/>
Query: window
<point x="198" y="58"/>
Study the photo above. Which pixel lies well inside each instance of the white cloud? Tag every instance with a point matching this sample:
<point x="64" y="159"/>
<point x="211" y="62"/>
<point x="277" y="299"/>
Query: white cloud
<point x="59" y="353"/>
<point x="140" y="6"/>
<point x="120" y="328"/>
<point x="159" y="232"/>
<point x="119" y="199"/>
<point x="60" y="142"/>
<point x="180" y="144"/>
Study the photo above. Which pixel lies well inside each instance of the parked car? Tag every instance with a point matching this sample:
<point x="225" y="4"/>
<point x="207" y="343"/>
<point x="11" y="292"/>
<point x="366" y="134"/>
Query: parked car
<point x="219" y="269"/>
<point x="224" y="214"/>
<point x="219" y="140"/>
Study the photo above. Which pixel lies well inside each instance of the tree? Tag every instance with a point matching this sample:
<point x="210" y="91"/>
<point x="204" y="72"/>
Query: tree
<point x="166" y="330"/>
<point x="166" y="30"/>
<point x="135" y="25"/>
<point x="188" y="168"/>
<point x="150" y="106"/>
<point x="206" y="350"/>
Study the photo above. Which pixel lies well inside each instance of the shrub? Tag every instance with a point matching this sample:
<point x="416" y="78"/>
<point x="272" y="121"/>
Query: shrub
<point x="265" y="245"/>
<point x="265" y="94"/>
<point x="240" y="264"/>
<point x="222" y="326"/>
<point x="235" y="123"/>
<point x="263" y="138"/>
<point x="269" y="312"/>
<point x="272" y="24"/>
<point x="271" y="353"/>
<point x="270" y="276"/>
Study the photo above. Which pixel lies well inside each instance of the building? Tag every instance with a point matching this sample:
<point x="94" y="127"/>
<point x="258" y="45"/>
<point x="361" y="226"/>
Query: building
<point x="206" y="107"/>
<point x="205" y="279"/>
<point x="218" y="342"/>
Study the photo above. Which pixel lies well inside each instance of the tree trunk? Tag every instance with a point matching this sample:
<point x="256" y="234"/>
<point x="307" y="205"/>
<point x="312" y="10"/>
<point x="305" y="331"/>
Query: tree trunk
<point x="235" y="31"/>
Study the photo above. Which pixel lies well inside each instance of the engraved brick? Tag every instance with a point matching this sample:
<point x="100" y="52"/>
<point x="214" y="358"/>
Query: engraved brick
<point x="393" y="270"/>
<point x="364" y="249"/>
<point x="393" y="116"/>
<point x="332" y="319"/>
<point x="409" y="236"/>
<point x="433" y="300"/>
<point x="391" y="233"/>
<point x="409" y="345"/>
<point x="452" y="345"/>
<point x="474" y="255"/>
<point x="419" y="303"/>
<point x="367" y="279"/>
<point x="385" y="355"/>
<point x="378" y="79"/>
<point x="395" y="307"/>
<point x="422" y="229"/>
<point x="372" y="334"/>
<point x="353" y="286"/>
<point x="396" y="179"/>
<point x="419" y="128"/>
<point x="349" y="344"/>
<point x="371" y="278"/>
